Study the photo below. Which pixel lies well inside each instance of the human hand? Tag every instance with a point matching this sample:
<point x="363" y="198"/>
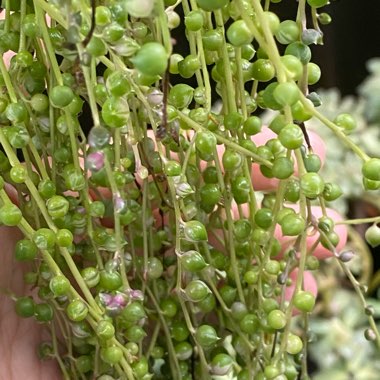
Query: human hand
<point x="19" y="337"/>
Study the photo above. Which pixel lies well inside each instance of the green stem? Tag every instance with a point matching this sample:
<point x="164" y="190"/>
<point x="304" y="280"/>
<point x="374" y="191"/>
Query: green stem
<point x="362" y="299"/>
<point x="53" y="142"/>
<point x="56" y="353"/>
<point x="301" y="14"/>
<point x="82" y="285"/>
<point x="127" y="370"/>
<point x="145" y="194"/>
<point x="205" y="73"/>
<point x="231" y="241"/>
<point x="303" y="212"/>
<point x="117" y="226"/>
<point x="173" y="357"/>
<point x="7" y="80"/>
<point x="73" y="142"/>
<point x="301" y="19"/>
<point x="116" y="147"/>
<point x="90" y="84"/>
<point x="22" y="34"/>
<point x="37" y="158"/>
<point x="375" y="219"/>
<point x="179" y="290"/>
<point x="240" y="81"/>
<point x="163" y="21"/>
<point x="188" y="154"/>
<point x="301" y="266"/>
<point x="192" y="44"/>
<point x="52" y="11"/>
<point x="335" y="129"/>
<point x="356" y="287"/>
<point x="229" y="83"/>
<point x="153" y="338"/>
<point x="304" y="364"/>
<point x="267" y="42"/>
<point x="48" y="45"/>
<point x="314" y="17"/>
<point x="7" y="16"/>
<point x="117" y="62"/>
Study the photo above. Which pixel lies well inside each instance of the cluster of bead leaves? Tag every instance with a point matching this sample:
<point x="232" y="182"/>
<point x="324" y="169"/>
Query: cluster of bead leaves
<point x="150" y="243"/>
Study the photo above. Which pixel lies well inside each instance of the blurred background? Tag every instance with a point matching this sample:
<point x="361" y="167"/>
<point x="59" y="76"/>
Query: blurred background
<point x="350" y="40"/>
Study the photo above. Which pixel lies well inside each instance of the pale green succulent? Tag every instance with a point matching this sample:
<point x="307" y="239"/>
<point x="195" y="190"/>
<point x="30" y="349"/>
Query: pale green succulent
<point x="339" y="348"/>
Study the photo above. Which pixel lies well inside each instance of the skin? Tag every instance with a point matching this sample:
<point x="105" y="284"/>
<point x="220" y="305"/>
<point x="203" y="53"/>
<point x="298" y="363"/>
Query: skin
<point x="19" y="338"/>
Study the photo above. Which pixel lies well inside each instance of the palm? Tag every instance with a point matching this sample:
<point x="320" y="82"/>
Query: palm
<point x="18" y="337"/>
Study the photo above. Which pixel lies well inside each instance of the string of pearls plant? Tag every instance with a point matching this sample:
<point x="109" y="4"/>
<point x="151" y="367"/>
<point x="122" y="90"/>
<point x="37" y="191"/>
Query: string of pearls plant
<point x="170" y="238"/>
